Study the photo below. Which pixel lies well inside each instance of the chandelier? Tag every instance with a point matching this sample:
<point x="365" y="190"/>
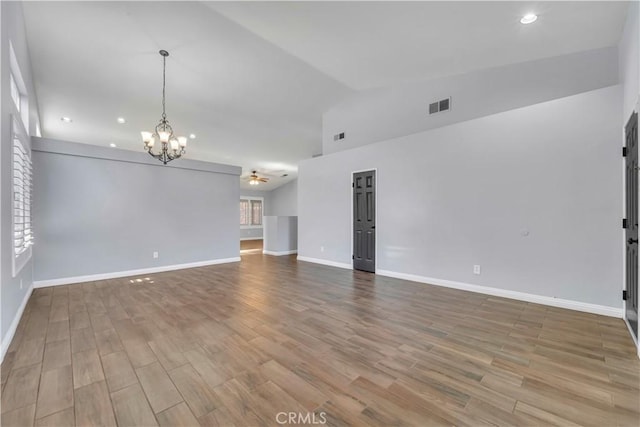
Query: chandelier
<point x="171" y="147"/>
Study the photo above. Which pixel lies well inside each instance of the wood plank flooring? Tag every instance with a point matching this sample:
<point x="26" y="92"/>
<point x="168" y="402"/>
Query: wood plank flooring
<point x="251" y="246"/>
<point x="237" y="344"/>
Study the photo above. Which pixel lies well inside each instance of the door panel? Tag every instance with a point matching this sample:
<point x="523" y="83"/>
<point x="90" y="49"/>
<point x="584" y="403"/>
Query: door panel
<point x="364" y="221"/>
<point x="631" y="234"/>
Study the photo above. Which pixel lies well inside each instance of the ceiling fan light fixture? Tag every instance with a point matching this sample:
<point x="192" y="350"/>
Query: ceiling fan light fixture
<point x="255" y="180"/>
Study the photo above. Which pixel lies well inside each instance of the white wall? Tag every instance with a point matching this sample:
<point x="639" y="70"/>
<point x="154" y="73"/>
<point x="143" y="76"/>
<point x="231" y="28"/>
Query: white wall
<point x="466" y="194"/>
<point x="100" y="210"/>
<point x="283" y="201"/>
<point x="13" y="291"/>
<point x="382" y="114"/>
<point x="280" y="235"/>
<point x="251" y="233"/>
<point x="629" y="60"/>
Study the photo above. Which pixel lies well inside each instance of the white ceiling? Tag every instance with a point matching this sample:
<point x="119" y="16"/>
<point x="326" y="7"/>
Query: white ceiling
<point x="252" y="79"/>
<point x="373" y="44"/>
<point x="248" y="102"/>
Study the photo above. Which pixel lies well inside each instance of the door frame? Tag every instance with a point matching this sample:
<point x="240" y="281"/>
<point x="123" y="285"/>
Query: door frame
<point x="351" y="218"/>
<point x="636" y="340"/>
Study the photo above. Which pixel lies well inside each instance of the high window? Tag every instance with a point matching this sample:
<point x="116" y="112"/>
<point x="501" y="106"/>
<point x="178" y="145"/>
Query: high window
<point x="18" y="89"/>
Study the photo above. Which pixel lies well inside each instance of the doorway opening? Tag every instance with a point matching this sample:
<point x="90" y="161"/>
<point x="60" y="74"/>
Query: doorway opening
<point x="251" y="225"/>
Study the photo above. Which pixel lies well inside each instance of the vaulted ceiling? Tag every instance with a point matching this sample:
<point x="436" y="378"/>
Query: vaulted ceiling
<point x="252" y="79"/>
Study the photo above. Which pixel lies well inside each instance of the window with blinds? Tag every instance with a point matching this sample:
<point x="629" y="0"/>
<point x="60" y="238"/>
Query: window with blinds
<point x="245" y="213"/>
<point x="256" y="212"/>
<point x="22" y="175"/>
<point x="250" y="212"/>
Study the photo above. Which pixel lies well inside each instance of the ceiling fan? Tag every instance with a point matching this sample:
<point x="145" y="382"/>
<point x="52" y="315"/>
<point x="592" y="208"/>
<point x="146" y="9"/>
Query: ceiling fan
<point x="255" y="180"/>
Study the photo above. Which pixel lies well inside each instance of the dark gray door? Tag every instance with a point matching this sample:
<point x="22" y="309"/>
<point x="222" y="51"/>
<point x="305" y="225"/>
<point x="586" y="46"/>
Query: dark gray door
<point x="631" y="223"/>
<point x="364" y="221"/>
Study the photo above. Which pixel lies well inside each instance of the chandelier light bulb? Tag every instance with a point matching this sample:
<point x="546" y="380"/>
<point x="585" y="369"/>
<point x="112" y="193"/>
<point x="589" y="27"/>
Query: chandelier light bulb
<point x="164" y="136"/>
<point x="182" y="140"/>
<point x="151" y="141"/>
<point x="146" y="136"/>
<point x="174" y="144"/>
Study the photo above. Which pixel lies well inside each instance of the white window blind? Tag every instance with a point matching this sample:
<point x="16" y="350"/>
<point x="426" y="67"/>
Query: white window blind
<point x="245" y="213"/>
<point x="22" y="189"/>
<point x="256" y="212"/>
<point x="250" y="213"/>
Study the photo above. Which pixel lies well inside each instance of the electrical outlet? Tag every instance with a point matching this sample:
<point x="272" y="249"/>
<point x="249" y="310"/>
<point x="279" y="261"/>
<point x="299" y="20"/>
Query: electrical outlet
<point x="476" y="269"/>
<point x="155" y="254"/>
<point x="321" y="248"/>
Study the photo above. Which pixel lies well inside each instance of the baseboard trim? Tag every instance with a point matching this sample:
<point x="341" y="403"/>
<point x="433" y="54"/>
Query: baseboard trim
<point x="242" y="239"/>
<point x="325" y="262"/>
<point x="280" y="253"/>
<point x="522" y="296"/>
<point x="8" y="337"/>
<point x="633" y="337"/>
<point x="118" y="274"/>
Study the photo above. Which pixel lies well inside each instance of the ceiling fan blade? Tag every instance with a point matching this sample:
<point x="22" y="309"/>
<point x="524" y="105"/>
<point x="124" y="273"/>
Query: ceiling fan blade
<point x="272" y="173"/>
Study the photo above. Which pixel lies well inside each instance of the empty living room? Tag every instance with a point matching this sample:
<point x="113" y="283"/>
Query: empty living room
<point x="319" y="213"/>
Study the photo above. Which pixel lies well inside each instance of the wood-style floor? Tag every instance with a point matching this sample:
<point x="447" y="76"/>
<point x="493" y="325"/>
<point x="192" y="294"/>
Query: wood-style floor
<point x="237" y="344"/>
<point x="251" y="246"/>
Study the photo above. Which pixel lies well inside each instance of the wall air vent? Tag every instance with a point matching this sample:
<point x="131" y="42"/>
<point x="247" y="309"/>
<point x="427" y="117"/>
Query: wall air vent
<point x="440" y="106"/>
<point x="338" y="136"/>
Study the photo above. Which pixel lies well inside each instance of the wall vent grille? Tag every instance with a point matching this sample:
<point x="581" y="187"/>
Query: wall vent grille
<point x="440" y="106"/>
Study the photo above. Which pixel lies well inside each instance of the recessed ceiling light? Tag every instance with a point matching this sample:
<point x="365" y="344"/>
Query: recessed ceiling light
<point x="192" y="136"/>
<point x="529" y="18"/>
<point x="112" y="145"/>
<point x="66" y="119"/>
<point x="121" y="120"/>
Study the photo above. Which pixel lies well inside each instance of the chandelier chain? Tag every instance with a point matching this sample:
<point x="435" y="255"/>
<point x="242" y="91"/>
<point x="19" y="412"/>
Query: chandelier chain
<point x="164" y="83"/>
